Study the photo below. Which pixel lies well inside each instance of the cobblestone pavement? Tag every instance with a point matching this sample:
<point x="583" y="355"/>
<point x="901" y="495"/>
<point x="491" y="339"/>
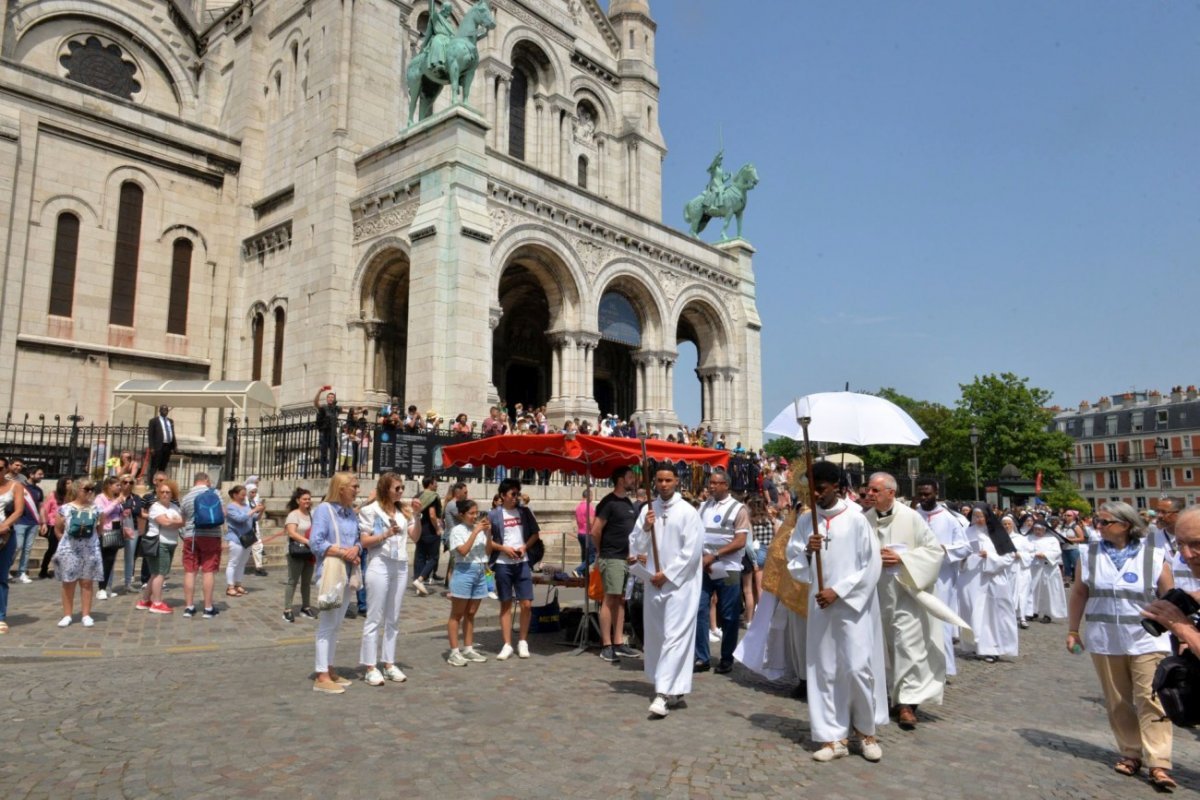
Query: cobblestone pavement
<point x="154" y="706"/>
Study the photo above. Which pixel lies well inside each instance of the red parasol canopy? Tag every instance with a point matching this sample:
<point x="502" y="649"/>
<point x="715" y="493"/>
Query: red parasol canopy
<point x="581" y="454"/>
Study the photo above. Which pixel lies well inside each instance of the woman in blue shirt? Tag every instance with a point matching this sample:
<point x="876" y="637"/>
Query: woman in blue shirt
<point x="240" y="518"/>
<point x="334" y="533"/>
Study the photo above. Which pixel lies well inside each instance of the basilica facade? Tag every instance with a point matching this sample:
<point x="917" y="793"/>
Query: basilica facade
<point x="233" y="192"/>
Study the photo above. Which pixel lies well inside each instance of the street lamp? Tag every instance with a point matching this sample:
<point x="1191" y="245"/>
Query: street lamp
<point x="975" y="457"/>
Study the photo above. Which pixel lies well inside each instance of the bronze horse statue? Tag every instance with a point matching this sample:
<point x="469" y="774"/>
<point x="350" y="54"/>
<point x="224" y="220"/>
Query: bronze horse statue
<point x="730" y="203"/>
<point x="458" y="60"/>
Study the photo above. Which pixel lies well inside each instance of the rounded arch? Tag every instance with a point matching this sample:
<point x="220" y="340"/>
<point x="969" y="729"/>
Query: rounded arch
<point x="553" y="262"/>
<point x="525" y="46"/>
<point x="53" y="206"/>
<point x="631" y="279"/>
<point x="700" y="317"/>
<point x="383" y="287"/>
<point x="179" y="230"/>
<point x="586" y="88"/>
<point x="29" y="16"/>
<point x="151" y="197"/>
<point x="374" y="261"/>
<point x="258" y="307"/>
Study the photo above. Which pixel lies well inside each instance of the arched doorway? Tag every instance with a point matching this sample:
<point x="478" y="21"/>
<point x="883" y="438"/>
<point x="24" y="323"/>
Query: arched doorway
<point x="700" y="324"/>
<point x="385" y="309"/>
<point x="521" y="368"/>
<point x="614" y="379"/>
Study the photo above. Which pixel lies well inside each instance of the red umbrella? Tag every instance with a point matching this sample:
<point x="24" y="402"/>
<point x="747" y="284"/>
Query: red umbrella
<point x="597" y="455"/>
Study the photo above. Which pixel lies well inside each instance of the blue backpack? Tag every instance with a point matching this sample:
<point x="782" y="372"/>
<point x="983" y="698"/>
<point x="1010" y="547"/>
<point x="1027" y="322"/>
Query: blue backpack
<point x="208" y="511"/>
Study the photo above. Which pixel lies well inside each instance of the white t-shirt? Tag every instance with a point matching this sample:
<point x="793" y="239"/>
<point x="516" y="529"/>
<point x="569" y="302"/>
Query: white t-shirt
<point x="512" y="536"/>
<point x="459" y="535"/>
<point x="168" y="533"/>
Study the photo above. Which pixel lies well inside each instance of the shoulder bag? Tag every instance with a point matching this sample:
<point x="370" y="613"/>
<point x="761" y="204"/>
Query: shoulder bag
<point x="299" y="549"/>
<point x="331" y="591"/>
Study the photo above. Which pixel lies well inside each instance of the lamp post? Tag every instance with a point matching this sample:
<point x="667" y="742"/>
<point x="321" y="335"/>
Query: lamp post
<point x="975" y="458"/>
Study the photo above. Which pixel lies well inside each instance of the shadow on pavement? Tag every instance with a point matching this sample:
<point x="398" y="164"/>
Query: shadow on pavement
<point x="1104" y="756"/>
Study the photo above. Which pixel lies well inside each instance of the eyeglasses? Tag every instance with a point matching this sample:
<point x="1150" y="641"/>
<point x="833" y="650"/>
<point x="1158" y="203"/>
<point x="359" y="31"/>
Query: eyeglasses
<point x="1106" y="522"/>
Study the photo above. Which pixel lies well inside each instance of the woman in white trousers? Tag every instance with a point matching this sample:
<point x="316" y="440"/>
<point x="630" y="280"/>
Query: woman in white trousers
<point x="334" y="533"/>
<point x="385" y="527"/>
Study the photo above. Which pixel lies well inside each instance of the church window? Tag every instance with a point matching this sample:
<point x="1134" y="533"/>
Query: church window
<point x="62" y="276"/>
<point x="100" y="66"/>
<point x="256" y="336"/>
<point x="125" y="255"/>
<point x="277" y="364"/>
<point x="518" y="97"/>
<point x="619" y="321"/>
<point x="181" y="278"/>
<point x="583" y="172"/>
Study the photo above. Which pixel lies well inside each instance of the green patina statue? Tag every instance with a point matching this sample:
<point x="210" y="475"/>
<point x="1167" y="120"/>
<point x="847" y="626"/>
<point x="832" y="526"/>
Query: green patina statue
<point x="448" y="56"/>
<point x="725" y="197"/>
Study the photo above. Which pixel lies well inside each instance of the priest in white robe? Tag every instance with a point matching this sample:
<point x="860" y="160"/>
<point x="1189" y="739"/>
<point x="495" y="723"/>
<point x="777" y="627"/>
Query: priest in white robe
<point x="672" y="581"/>
<point x="994" y="615"/>
<point x="1022" y="597"/>
<point x="949" y="528"/>
<point x="1047" y="597"/>
<point x="911" y="558"/>
<point x="846" y="671"/>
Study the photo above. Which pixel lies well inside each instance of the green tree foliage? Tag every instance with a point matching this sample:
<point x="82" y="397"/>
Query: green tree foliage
<point x="782" y="447"/>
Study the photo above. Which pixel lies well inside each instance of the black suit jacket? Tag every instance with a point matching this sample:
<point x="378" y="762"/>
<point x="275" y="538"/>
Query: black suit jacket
<point x="155" y="430"/>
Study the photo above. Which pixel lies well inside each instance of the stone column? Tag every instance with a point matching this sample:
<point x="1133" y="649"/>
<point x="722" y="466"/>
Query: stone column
<point x="494" y="315"/>
<point x="586" y="343"/>
<point x="489" y="105"/>
<point x="502" y="115"/>
<point x="535" y="155"/>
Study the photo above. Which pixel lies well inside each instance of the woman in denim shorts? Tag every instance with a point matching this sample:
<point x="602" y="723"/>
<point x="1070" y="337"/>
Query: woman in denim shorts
<point x="470" y="543"/>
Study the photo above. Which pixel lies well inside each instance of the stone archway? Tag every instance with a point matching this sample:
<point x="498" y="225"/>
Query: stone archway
<point x="384" y="313"/>
<point x="701" y="324"/>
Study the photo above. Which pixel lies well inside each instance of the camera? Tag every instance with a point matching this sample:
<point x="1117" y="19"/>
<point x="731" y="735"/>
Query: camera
<point x="1181" y="600"/>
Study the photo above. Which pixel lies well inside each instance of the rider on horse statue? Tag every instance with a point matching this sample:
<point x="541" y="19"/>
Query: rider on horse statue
<point x="439" y="31"/>
<point x="718" y="179"/>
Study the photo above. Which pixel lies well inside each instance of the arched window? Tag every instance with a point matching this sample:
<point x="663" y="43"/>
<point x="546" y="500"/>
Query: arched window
<point x="518" y="96"/>
<point x="619" y="321"/>
<point x="277" y="364"/>
<point x="125" y="256"/>
<point x="583" y="172"/>
<point x="181" y="281"/>
<point x="256" y="334"/>
<point x="62" y="276"/>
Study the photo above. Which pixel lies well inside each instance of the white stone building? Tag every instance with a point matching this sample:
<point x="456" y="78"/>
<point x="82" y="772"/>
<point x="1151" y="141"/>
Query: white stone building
<point x="230" y="192"/>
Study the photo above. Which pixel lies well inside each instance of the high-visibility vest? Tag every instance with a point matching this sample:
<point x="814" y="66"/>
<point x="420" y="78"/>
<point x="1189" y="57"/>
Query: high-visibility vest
<point x="1116" y="598"/>
<point x="719" y="519"/>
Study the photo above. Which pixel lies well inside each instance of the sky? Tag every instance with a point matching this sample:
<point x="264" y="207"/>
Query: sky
<point x="949" y="189"/>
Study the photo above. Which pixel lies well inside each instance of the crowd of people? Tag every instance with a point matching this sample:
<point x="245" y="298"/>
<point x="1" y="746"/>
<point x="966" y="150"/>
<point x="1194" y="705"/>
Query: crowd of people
<point x="860" y="599"/>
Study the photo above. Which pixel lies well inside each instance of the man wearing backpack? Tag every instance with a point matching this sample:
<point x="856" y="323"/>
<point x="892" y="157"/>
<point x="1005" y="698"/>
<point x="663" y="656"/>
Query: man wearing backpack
<point x="203" y="522"/>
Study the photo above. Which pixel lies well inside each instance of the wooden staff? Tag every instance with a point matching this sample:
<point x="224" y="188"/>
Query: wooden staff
<point x="812" y="497"/>
<point x="648" y="484"/>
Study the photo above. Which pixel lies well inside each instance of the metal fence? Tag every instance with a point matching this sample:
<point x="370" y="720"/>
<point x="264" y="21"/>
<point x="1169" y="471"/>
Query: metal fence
<point x="289" y="446"/>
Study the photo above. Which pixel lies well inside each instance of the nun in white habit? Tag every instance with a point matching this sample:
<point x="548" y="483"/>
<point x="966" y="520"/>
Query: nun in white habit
<point x="1048" y="599"/>
<point x="994" y="615"/>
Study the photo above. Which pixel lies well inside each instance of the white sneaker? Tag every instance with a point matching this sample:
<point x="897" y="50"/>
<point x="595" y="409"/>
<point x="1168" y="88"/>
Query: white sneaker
<point x="830" y="751"/>
<point x="871" y="751"/>
<point x="659" y="707"/>
<point x="714" y="635"/>
<point x="522" y="649"/>
<point x="505" y="653"/>
<point x="493" y="596"/>
<point x="374" y="677"/>
<point x="456" y="659"/>
<point x="23" y="578"/>
<point x="419" y="585"/>
<point x="88" y="622"/>
<point x="471" y="654"/>
<point x="64" y="622"/>
<point x="101" y="595"/>
<point x="394" y="674"/>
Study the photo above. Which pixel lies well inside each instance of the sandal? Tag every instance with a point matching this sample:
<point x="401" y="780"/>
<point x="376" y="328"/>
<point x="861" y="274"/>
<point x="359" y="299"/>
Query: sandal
<point x="231" y="593"/>
<point x="3" y="627"/>
<point x="1161" y="779"/>
<point x="240" y="590"/>
<point x="1129" y="766"/>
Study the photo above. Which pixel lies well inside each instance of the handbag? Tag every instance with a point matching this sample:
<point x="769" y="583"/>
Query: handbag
<point x="298" y="549"/>
<point x="595" y="586"/>
<point x="547" y="618"/>
<point x="331" y="591"/>
<point x="1177" y="686"/>
<point x="248" y="538"/>
<point x="112" y="538"/>
<point x="148" y="547"/>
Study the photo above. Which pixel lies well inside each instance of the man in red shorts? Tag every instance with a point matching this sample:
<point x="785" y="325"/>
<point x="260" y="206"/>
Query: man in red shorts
<point x="201" y="542"/>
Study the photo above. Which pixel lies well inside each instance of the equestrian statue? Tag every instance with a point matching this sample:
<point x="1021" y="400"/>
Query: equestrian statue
<point x="448" y="56"/>
<point x="724" y="197"/>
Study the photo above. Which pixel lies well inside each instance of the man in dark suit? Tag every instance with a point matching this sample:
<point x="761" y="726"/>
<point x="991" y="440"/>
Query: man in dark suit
<point x="162" y="440"/>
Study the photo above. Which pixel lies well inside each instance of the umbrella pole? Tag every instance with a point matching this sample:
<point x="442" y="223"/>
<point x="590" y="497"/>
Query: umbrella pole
<point x="812" y="498"/>
<point x="646" y="482"/>
<point x="582" y="633"/>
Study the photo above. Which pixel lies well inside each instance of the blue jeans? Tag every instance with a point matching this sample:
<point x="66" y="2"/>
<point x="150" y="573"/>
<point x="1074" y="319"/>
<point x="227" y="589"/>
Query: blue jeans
<point x="6" y="558"/>
<point x="587" y="551"/>
<point x="25" y="535"/>
<point x="131" y="551"/>
<point x="729" y="611"/>
<point x="1070" y="559"/>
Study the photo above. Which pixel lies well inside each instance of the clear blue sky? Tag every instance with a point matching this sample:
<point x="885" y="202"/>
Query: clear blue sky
<point x="950" y="188"/>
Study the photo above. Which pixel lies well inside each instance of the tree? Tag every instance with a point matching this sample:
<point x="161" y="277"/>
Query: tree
<point x="782" y="447"/>
<point x="933" y="454"/>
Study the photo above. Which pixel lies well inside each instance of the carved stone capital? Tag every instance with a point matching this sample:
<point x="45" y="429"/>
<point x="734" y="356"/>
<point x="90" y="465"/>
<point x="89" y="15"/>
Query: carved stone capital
<point x="494" y="315"/>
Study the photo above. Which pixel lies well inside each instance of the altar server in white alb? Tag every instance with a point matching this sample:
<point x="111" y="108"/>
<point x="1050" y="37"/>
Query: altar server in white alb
<point x="994" y="615"/>
<point x="847" y="675"/>
<point x="672" y="588"/>
<point x="950" y="532"/>
<point x="1047" y="597"/>
<point x="912" y="637"/>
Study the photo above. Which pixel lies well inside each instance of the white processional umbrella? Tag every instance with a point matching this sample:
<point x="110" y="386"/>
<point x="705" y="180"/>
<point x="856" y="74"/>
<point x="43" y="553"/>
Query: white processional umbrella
<point x="847" y="418"/>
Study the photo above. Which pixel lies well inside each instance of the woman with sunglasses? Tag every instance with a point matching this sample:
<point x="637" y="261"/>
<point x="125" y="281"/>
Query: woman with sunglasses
<point x="132" y="526"/>
<point x="78" y="561"/>
<point x="385" y="528"/>
<point x="111" y="531"/>
<point x="1115" y="579"/>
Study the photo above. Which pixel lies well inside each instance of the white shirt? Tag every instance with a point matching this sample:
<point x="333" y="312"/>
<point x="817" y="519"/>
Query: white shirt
<point x="512" y="536"/>
<point x="459" y="535"/>
<point x="168" y="533"/>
